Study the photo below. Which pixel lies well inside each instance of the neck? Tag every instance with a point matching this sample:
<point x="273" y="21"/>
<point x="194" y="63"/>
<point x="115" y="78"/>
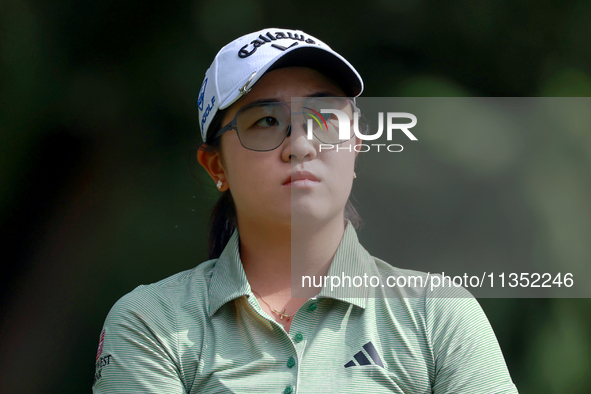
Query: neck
<point x="265" y="254"/>
<point x="274" y="254"/>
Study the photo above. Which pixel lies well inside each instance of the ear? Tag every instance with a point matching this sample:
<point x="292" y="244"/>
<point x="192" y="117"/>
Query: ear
<point x="213" y="164"/>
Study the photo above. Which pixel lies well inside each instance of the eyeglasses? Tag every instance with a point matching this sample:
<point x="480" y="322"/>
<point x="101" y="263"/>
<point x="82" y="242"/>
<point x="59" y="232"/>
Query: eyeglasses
<point x="264" y="126"/>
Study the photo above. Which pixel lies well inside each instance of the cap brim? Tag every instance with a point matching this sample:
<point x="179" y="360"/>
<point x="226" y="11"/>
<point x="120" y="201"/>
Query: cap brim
<point x="327" y="63"/>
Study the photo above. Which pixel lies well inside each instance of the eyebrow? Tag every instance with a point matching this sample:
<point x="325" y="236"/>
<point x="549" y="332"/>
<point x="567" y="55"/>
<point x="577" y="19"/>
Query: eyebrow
<point x="324" y="93"/>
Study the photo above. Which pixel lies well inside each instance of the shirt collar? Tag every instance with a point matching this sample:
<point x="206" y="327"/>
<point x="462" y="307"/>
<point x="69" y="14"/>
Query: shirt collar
<point x="229" y="282"/>
<point x="350" y="260"/>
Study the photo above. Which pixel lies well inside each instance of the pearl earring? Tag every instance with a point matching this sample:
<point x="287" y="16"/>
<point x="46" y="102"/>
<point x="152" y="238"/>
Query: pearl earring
<point x="354" y="175"/>
<point x="219" y="184"/>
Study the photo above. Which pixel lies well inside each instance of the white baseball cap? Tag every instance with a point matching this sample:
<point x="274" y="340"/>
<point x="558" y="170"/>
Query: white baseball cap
<point x="241" y="63"/>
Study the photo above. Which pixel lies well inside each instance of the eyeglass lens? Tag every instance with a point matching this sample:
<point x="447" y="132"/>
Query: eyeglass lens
<point x="264" y="126"/>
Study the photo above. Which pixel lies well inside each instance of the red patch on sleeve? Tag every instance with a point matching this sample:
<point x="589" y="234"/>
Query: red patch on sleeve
<point x="100" y="346"/>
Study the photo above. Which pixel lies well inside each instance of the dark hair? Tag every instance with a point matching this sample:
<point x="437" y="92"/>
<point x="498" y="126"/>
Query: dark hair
<point x="223" y="221"/>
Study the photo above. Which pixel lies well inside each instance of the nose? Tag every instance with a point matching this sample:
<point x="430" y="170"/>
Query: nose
<point x="297" y="146"/>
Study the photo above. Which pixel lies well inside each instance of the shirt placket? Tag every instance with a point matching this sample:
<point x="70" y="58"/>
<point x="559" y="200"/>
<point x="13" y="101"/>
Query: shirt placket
<point x="300" y="334"/>
<point x="292" y="358"/>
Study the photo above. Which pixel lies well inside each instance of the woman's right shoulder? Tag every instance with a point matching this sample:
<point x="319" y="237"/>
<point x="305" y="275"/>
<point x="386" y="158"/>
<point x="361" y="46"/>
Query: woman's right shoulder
<point x="170" y="297"/>
<point x="161" y="323"/>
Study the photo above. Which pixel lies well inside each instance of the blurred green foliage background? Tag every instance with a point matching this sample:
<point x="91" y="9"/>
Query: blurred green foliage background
<point x="99" y="133"/>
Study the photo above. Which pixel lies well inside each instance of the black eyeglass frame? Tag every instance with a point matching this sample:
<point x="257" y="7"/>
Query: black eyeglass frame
<point x="233" y="125"/>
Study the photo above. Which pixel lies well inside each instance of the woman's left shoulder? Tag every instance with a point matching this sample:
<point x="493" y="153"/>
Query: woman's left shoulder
<point x="450" y="320"/>
<point x="402" y="282"/>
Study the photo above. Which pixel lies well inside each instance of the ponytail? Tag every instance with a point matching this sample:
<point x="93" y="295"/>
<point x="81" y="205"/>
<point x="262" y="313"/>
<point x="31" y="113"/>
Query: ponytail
<point x="352" y="215"/>
<point x="222" y="224"/>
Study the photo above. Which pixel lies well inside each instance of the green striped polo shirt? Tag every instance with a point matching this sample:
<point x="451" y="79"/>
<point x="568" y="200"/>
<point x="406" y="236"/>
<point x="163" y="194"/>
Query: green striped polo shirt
<point x="203" y="331"/>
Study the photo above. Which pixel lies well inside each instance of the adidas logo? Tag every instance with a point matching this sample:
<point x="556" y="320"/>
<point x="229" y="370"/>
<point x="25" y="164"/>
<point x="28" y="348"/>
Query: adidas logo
<point x="362" y="359"/>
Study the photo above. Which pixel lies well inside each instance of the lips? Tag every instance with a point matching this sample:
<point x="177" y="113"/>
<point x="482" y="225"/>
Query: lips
<point x="301" y="177"/>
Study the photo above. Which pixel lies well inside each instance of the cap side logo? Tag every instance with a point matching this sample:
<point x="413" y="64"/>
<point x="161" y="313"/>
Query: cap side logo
<point x="206" y="112"/>
<point x="245" y="51"/>
<point x="202" y="95"/>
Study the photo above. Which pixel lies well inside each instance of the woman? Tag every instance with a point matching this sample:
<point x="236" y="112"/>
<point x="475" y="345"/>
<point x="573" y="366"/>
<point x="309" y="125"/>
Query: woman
<point x="237" y="323"/>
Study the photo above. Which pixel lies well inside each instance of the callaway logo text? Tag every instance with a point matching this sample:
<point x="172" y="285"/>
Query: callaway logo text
<point x="246" y="51"/>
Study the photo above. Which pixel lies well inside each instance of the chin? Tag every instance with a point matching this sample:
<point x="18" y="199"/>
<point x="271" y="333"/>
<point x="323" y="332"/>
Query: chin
<point x="306" y="216"/>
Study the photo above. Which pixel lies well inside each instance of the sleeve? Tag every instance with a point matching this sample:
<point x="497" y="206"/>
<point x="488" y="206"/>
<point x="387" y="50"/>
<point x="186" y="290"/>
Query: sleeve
<point x="138" y="347"/>
<point x="467" y="355"/>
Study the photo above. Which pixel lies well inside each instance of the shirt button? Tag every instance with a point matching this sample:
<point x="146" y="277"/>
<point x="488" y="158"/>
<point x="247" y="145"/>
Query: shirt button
<point x="290" y="362"/>
<point x="288" y="390"/>
<point x="312" y="307"/>
<point x="298" y="337"/>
